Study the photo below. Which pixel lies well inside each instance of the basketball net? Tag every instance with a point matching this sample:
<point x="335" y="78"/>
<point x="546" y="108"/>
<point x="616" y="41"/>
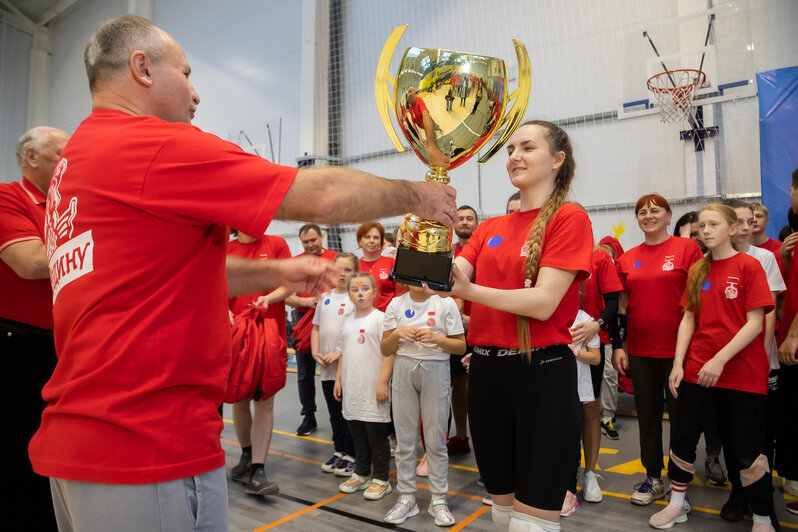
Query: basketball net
<point x="675" y="90"/>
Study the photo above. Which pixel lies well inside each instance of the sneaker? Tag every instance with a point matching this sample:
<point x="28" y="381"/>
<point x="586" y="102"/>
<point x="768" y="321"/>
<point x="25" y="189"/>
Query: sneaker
<point x="569" y="505"/>
<point x="259" y="485"/>
<point x="307" y="426"/>
<point x="345" y="466"/>
<point x="591" y="491"/>
<point x="439" y="509"/>
<point x="422" y="469"/>
<point x="735" y="508"/>
<point x="455" y="445"/>
<point x="354" y="483"/>
<point x="648" y="491"/>
<point x="404" y="509"/>
<point x="480" y="482"/>
<point x="329" y="465"/>
<point x="240" y="471"/>
<point x="487" y="501"/>
<point x="608" y="428"/>
<point x="377" y="490"/>
<point x="791" y="487"/>
<point x="392" y="443"/>
<point x="667" y="517"/>
<point x="792" y="507"/>
<point x="714" y="471"/>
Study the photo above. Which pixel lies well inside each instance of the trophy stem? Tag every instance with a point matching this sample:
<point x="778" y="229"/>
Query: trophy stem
<point x="437" y="174"/>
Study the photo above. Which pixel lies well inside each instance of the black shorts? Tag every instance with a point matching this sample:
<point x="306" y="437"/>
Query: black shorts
<point x="525" y="422"/>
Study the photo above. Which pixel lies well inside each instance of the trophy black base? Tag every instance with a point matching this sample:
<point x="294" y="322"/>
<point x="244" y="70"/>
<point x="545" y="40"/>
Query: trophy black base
<point x="418" y="268"/>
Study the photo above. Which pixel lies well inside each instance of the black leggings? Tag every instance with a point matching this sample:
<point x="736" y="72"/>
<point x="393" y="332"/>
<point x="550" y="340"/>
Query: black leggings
<point x="742" y="420"/>
<point x="342" y="439"/>
<point x="525" y="422"/>
<point x="372" y="450"/>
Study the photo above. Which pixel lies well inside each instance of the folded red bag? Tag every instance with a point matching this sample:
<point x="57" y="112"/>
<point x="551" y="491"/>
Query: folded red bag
<point x="259" y="357"/>
<point x="302" y="331"/>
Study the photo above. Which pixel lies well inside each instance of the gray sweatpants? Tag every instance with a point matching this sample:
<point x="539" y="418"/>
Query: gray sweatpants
<point x="609" y="386"/>
<point x="421" y="387"/>
<point x="186" y="504"/>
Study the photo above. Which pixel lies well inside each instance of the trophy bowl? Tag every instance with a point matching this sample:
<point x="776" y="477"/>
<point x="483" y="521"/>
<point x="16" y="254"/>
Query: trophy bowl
<point x="448" y="105"/>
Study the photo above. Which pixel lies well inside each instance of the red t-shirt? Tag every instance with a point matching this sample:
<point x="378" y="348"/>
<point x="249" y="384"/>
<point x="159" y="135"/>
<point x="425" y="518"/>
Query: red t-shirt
<point x="267" y="247"/>
<point x="774" y="246"/>
<point x="498" y="249"/>
<point x="733" y="287"/>
<point x="603" y="280"/>
<point x="27" y="301"/>
<point x="655" y="277"/>
<point x="386" y="289"/>
<point x="417" y="112"/>
<point x="136" y="231"/>
<point x="790" y="302"/>
<point x="327" y="254"/>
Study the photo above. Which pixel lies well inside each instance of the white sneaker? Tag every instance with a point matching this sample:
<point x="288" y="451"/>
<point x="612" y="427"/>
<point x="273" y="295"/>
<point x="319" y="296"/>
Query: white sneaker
<point x="439" y="509"/>
<point x="591" y="491"/>
<point x="648" y="491"/>
<point x="667" y="517"/>
<point x="404" y="509"/>
<point x="791" y="487"/>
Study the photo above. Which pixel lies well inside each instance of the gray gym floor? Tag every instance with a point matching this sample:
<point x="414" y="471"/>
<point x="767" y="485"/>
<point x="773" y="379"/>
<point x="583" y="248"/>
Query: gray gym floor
<point x="309" y="498"/>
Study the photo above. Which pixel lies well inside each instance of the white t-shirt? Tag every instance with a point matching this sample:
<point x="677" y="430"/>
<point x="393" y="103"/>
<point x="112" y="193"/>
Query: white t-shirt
<point x="776" y="284"/>
<point x="584" y="380"/>
<point x="331" y="310"/>
<point x="361" y="361"/>
<point x="436" y="313"/>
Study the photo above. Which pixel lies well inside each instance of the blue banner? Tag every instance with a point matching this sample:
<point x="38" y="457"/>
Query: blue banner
<point x="778" y="141"/>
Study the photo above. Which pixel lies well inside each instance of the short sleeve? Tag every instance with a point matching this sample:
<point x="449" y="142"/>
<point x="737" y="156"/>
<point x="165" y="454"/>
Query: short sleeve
<point x="15" y="222"/>
<point x="622" y="272"/>
<point x="693" y="254"/>
<point x="281" y="251"/>
<point x="391" y="321"/>
<point x="199" y="178"/>
<point x="568" y="241"/>
<point x="772" y="272"/>
<point x="454" y="323"/>
<point x="757" y="294"/>
<point x="319" y="303"/>
<point x="470" y="251"/>
<point x="607" y="275"/>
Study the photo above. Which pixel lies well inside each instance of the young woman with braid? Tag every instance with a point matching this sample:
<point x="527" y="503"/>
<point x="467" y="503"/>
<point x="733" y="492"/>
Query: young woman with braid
<point x="526" y="267"/>
<point x="721" y="362"/>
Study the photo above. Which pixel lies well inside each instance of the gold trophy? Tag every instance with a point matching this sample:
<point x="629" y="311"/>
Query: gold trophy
<point x="448" y="105"/>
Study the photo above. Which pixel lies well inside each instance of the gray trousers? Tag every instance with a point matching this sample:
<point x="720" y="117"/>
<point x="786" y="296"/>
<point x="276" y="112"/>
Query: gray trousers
<point x="609" y="385"/>
<point x="421" y="387"/>
<point x="191" y="503"/>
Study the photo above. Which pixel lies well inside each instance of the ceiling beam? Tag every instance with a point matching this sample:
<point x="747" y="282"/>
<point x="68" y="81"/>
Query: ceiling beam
<point x="56" y="10"/>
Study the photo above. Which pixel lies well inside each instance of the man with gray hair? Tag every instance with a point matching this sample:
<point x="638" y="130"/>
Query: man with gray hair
<point x="136" y="233"/>
<point x="26" y="321"/>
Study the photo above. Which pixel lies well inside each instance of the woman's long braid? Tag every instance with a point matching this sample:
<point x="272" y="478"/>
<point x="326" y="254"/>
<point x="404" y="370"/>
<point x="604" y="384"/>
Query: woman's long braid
<point x="558" y="141"/>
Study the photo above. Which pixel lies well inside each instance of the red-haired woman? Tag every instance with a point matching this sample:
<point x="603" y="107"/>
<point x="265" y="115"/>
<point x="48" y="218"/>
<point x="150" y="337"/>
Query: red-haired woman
<point x="370" y="238"/>
<point x="721" y="363"/>
<point x="654" y="275"/>
<point x="526" y="267"/>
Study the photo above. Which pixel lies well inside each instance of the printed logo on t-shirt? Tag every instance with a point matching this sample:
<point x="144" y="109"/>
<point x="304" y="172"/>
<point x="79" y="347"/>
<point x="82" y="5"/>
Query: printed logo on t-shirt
<point x="69" y="257"/>
<point x="495" y="241"/>
<point x="430" y="319"/>
<point x="524" y="250"/>
<point x="263" y="256"/>
<point x="706" y="285"/>
<point x="731" y="290"/>
<point x="362" y="338"/>
<point x="383" y="274"/>
<point x="410" y="313"/>
<point x="341" y="308"/>
<point x="637" y="264"/>
<point x="668" y="264"/>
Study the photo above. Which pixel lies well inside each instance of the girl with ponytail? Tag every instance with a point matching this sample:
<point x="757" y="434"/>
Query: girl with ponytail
<point x="526" y="267"/>
<point x="721" y="362"/>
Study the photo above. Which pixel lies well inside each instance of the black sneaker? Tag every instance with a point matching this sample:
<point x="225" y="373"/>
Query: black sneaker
<point x="260" y="485"/>
<point x="307" y="426"/>
<point x="345" y="466"/>
<point x="735" y="508"/>
<point x="240" y="472"/>
<point x="608" y="428"/>
<point x="329" y="465"/>
<point x="714" y="471"/>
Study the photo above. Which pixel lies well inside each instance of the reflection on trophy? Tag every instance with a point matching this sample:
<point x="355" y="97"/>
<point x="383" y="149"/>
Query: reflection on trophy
<point x="448" y="105"/>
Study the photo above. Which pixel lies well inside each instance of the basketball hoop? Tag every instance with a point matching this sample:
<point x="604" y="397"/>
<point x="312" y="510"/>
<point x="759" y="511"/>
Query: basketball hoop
<point x="675" y="90"/>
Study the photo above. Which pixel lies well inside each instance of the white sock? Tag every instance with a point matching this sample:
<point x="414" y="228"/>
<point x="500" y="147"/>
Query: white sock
<point x="501" y="516"/>
<point x="528" y="523"/>
<point x="678" y="493"/>
<point x="762" y="520"/>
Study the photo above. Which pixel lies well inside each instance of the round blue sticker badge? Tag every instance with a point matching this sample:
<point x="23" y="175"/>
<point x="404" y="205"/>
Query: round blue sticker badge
<point x="327" y="301"/>
<point x="495" y="241"/>
<point x="410" y="313"/>
<point x="637" y="264"/>
<point x="706" y="285"/>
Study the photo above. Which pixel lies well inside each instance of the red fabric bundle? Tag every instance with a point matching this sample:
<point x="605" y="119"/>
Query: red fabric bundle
<point x="259" y="357"/>
<point x="302" y="331"/>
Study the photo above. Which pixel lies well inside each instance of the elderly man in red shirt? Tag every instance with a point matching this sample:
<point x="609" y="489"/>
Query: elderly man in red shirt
<point x="26" y="319"/>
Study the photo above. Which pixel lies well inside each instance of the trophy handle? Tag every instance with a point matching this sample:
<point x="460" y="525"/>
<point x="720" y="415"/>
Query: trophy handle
<point x="521" y="94"/>
<point x="384" y="97"/>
